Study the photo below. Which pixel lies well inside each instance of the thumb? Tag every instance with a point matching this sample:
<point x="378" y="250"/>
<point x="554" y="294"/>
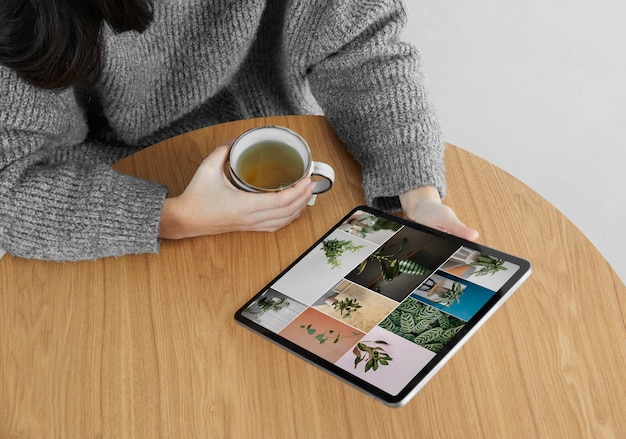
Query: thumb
<point x="211" y="170"/>
<point x="217" y="158"/>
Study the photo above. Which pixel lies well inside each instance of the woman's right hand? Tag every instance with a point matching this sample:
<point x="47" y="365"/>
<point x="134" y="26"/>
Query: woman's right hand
<point x="210" y="204"/>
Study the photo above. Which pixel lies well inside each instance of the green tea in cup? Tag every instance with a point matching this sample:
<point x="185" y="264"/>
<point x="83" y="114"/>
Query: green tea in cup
<point x="270" y="165"/>
<point x="273" y="158"/>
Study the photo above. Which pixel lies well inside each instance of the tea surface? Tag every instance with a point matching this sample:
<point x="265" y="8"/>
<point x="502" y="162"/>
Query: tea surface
<point x="270" y="165"/>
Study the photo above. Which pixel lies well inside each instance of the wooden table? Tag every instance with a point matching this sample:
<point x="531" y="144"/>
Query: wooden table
<point x="146" y="346"/>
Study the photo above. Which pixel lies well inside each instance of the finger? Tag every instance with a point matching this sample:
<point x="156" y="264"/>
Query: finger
<point x="278" y="209"/>
<point x="454" y="226"/>
<point x="462" y="231"/>
<point x="277" y="201"/>
<point x="273" y="222"/>
<point x="302" y="191"/>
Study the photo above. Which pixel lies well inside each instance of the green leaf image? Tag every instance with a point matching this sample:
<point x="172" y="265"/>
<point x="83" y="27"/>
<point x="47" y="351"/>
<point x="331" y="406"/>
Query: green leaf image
<point x="266" y="305"/>
<point x="489" y="265"/>
<point x="422" y="324"/>
<point x="323" y="337"/>
<point x="373" y="355"/>
<point x="429" y="335"/>
<point x="391" y="267"/>
<point x="369" y="223"/>
<point x="346" y="306"/>
<point x="334" y="248"/>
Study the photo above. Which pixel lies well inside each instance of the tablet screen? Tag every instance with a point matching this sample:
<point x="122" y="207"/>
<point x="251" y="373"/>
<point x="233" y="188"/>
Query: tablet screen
<point x="381" y="302"/>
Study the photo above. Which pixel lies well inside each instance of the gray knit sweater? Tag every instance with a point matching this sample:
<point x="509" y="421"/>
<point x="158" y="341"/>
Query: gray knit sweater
<point x="204" y="62"/>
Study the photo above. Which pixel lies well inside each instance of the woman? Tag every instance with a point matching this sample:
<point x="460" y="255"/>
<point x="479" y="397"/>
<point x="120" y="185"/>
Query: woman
<point x="85" y="83"/>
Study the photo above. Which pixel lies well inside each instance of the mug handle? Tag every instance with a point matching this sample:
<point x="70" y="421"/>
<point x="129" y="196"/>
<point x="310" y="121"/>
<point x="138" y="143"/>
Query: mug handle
<point x="327" y="173"/>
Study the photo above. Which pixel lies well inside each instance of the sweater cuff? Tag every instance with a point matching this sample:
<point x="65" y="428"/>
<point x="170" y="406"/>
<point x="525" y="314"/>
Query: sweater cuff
<point x="130" y="223"/>
<point x="103" y="214"/>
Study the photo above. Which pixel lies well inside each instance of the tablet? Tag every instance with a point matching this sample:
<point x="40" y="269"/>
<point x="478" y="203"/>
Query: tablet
<point x="382" y="303"/>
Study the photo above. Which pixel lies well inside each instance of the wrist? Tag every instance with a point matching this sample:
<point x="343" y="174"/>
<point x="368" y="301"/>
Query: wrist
<point x="172" y="224"/>
<point x="411" y="199"/>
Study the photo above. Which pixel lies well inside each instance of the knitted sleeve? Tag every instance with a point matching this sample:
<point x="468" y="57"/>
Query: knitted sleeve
<point x="371" y="88"/>
<point x="58" y="200"/>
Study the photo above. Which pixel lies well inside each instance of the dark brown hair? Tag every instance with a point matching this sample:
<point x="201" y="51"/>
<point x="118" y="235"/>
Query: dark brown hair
<point x="57" y="43"/>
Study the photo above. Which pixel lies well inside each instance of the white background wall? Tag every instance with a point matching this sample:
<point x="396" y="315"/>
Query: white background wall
<point x="538" y="88"/>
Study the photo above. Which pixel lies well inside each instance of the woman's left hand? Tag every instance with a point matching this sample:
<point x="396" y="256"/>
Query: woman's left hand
<point x="423" y="205"/>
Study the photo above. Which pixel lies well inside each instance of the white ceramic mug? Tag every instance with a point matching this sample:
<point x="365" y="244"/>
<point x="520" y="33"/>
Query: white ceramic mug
<point x="260" y="155"/>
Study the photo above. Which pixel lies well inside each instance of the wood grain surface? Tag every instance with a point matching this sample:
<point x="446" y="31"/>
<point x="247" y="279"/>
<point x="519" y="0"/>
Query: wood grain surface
<point x="145" y="346"/>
